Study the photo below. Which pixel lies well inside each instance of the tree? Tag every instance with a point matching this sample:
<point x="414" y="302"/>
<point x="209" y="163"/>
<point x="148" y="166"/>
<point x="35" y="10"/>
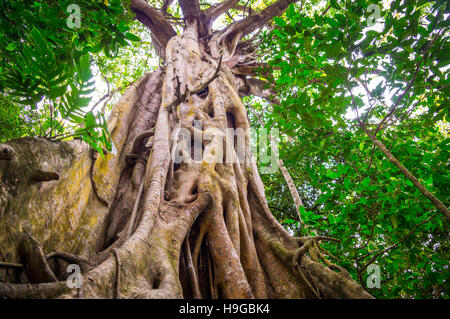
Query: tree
<point x="340" y="79"/>
<point x="159" y="213"/>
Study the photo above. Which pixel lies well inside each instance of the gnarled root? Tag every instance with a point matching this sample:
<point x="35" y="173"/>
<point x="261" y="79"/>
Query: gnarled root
<point x="180" y="225"/>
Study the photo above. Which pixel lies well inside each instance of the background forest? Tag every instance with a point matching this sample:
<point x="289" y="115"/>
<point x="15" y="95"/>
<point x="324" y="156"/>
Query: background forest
<point x="345" y="73"/>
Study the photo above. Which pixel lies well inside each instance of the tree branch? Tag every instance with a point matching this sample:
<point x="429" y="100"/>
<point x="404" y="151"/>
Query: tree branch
<point x="258" y="20"/>
<point x="436" y="202"/>
<point x="161" y="29"/>
<point x="5" y="264"/>
<point x="71" y="259"/>
<point x="214" y="12"/>
<point x="190" y="8"/>
<point x="42" y="290"/>
<point x="409" y="85"/>
<point x="260" y="88"/>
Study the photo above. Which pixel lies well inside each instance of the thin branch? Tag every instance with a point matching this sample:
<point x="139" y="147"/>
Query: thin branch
<point x="287" y="176"/>
<point x="408" y="87"/>
<point x="108" y="93"/>
<point x="283" y="211"/>
<point x="436" y="202"/>
<point x="326" y="10"/>
<point x="303" y="240"/>
<point x="414" y="105"/>
<point x="396" y="244"/>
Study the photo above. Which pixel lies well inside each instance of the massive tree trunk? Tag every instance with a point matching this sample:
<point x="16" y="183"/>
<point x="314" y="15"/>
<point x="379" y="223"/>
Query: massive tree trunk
<point x="156" y="219"/>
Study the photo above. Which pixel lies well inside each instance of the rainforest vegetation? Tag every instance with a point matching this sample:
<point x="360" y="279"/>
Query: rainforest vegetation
<point x="114" y="121"/>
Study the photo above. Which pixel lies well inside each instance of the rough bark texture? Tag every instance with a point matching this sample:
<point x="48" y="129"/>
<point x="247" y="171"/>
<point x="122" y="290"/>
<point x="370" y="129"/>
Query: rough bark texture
<point x="142" y="225"/>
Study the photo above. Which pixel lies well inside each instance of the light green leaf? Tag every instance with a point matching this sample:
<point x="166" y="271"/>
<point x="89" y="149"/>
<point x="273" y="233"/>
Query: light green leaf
<point x="132" y="37"/>
<point x="11" y="46"/>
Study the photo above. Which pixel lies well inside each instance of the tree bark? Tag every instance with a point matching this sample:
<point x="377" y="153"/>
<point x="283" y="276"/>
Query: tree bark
<point x="153" y="227"/>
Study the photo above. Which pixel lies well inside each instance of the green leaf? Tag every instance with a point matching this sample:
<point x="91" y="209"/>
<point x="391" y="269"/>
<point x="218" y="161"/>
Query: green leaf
<point x="84" y="68"/>
<point x="57" y="91"/>
<point x="334" y="4"/>
<point x="11" y="46"/>
<point x="279" y="22"/>
<point x="333" y="175"/>
<point x="307" y="22"/>
<point x="365" y="182"/>
<point x="331" y="219"/>
<point x="302" y="210"/>
<point x="39" y="40"/>
<point x="132" y="37"/>
<point x="333" y="23"/>
<point x="123" y="27"/>
<point x="394" y="220"/>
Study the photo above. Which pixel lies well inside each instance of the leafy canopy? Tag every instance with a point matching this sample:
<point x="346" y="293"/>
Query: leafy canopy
<point x="334" y="75"/>
<point x="47" y="56"/>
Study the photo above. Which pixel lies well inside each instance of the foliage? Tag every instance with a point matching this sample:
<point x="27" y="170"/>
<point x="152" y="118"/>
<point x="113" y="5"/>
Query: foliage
<point x="334" y="75"/>
<point x="46" y="63"/>
<point x="129" y="64"/>
<point x="15" y="120"/>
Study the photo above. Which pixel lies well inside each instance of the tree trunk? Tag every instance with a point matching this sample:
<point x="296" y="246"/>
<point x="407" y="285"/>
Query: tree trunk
<point x="146" y="224"/>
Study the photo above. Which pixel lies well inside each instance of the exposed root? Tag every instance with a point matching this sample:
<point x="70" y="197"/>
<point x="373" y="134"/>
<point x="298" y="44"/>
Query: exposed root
<point x="5" y="264"/>
<point x="134" y="212"/>
<point x="302" y="250"/>
<point x="160" y="206"/>
<point x="43" y="290"/>
<point x="94" y="186"/>
<point x="192" y="275"/>
<point x="84" y="264"/>
<point x="308" y="280"/>
<point x="34" y="261"/>
<point x="117" y="279"/>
